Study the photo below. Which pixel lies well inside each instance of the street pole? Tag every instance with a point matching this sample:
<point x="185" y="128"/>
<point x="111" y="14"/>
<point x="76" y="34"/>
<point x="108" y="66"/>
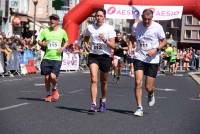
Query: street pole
<point x="34" y="19"/>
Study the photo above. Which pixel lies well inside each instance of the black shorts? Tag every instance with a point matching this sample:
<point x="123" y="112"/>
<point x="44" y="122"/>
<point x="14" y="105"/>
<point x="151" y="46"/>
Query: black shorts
<point x="130" y="60"/>
<point x="50" y="66"/>
<point x="149" y="69"/>
<point x="103" y="61"/>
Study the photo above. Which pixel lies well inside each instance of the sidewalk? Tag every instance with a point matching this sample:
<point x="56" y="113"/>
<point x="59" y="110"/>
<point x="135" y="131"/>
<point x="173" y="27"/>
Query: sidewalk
<point x="195" y="76"/>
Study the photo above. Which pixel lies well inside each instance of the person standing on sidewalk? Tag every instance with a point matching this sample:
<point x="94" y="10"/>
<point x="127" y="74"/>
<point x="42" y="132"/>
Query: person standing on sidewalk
<point x="150" y="39"/>
<point x="53" y="40"/>
<point x="99" y="39"/>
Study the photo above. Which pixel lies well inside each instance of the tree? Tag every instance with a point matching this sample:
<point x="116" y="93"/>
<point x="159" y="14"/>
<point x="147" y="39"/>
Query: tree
<point x="57" y="4"/>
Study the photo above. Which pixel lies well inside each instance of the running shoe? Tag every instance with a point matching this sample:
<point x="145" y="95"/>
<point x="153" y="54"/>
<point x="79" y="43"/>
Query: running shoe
<point x="55" y="95"/>
<point x="131" y="75"/>
<point x="48" y="98"/>
<point x="93" y="108"/>
<point x="151" y="99"/>
<point x="102" y="106"/>
<point x="139" y="112"/>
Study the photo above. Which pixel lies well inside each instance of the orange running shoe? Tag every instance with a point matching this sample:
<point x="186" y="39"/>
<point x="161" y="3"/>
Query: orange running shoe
<point x="48" y="98"/>
<point x="55" y="95"/>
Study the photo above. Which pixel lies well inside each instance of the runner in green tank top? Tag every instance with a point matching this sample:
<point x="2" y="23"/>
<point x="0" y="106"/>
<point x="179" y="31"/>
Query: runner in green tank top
<point x="54" y="40"/>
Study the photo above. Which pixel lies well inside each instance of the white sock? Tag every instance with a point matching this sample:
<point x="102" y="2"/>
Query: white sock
<point x="103" y="99"/>
<point x="94" y="103"/>
<point x="140" y="106"/>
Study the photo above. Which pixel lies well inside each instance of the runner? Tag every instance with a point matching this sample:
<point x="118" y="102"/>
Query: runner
<point x="150" y="38"/>
<point x="130" y="58"/>
<point x="53" y="40"/>
<point x="102" y="38"/>
<point x="119" y="54"/>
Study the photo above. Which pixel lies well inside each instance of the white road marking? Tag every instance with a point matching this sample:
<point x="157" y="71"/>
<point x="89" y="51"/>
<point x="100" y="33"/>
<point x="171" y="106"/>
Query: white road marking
<point x="28" y="91"/>
<point x="13" y="106"/>
<point x="196" y="99"/>
<point x="76" y="91"/>
<point x="161" y="97"/>
<point x="86" y="72"/>
<point x="39" y="84"/>
<point x="165" y="89"/>
<point x="178" y="74"/>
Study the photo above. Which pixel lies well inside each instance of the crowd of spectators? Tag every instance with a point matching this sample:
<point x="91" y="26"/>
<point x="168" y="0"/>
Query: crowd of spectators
<point x="16" y="51"/>
<point x="174" y="59"/>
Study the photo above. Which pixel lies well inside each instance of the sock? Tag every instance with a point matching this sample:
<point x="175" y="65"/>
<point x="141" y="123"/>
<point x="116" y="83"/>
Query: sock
<point x="103" y="99"/>
<point x="94" y="103"/>
<point x="150" y="93"/>
<point x="140" y="106"/>
<point x="48" y="93"/>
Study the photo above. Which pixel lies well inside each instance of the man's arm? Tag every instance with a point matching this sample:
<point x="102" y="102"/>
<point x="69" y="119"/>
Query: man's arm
<point x="154" y="51"/>
<point x="162" y="44"/>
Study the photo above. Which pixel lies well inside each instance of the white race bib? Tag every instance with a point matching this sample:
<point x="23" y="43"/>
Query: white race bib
<point x="97" y="46"/>
<point x="54" y="45"/>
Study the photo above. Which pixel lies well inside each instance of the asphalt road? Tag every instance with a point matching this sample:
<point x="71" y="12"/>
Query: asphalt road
<point x="22" y="111"/>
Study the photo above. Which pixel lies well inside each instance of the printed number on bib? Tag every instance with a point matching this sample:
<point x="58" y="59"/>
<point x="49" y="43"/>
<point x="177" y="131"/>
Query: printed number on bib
<point x="53" y="45"/>
<point x="98" y="46"/>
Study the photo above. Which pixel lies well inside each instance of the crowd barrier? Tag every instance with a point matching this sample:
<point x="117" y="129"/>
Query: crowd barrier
<point x="70" y="62"/>
<point x="1" y="63"/>
<point x="20" y="62"/>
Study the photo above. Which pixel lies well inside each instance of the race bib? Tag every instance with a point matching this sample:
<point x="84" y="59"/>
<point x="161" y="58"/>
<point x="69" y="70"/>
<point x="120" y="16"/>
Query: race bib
<point x="54" y="45"/>
<point x="98" y="46"/>
<point x="144" y="45"/>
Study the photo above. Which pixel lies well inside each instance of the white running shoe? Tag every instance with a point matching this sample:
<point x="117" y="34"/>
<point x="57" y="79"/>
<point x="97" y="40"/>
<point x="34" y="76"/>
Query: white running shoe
<point x="139" y="112"/>
<point x="151" y="99"/>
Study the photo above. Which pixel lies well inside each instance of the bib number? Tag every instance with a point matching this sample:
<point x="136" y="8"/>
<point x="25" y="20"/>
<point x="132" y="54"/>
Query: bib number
<point x="53" y="45"/>
<point x="98" y="46"/>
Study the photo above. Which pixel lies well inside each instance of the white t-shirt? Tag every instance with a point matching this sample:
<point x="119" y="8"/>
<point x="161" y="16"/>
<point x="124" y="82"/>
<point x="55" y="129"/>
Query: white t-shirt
<point x="147" y="38"/>
<point x="97" y="45"/>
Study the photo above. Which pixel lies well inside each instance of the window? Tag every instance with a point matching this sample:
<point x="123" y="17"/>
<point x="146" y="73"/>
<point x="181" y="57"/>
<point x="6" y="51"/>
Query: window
<point x="189" y="20"/>
<point x="199" y="34"/>
<point x="188" y="34"/>
<point x="176" y="23"/>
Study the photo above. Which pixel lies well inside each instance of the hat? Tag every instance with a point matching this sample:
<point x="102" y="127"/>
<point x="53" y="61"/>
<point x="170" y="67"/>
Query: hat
<point x="54" y="16"/>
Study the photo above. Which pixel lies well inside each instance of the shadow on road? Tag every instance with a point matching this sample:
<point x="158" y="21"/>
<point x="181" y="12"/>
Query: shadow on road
<point x="121" y="111"/>
<point x="76" y="110"/>
<point x="31" y="99"/>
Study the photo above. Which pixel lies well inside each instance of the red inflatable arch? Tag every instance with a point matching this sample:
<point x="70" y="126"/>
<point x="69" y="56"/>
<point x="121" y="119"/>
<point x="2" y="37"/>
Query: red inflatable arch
<point x="73" y="19"/>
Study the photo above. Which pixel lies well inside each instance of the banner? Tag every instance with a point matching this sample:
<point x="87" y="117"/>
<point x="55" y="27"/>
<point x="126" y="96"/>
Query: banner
<point x="1" y="63"/>
<point x="70" y="62"/>
<point x="134" y="12"/>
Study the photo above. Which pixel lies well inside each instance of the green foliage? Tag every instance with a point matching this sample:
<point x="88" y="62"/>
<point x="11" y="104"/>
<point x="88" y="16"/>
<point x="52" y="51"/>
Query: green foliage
<point x="57" y="4"/>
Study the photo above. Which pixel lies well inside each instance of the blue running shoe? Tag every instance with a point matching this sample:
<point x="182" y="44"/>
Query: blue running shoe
<point x="102" y="107"/>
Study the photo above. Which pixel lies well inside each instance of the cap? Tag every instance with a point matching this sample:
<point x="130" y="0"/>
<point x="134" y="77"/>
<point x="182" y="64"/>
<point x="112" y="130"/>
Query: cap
<point x="54" y="16"/>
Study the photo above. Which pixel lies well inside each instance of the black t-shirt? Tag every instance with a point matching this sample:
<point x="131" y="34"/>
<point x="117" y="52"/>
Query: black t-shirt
<point x="118" y="51"/>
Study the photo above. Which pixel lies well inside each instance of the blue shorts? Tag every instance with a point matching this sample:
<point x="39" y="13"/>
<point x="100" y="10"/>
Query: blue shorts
<point x="50" y="66"/>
